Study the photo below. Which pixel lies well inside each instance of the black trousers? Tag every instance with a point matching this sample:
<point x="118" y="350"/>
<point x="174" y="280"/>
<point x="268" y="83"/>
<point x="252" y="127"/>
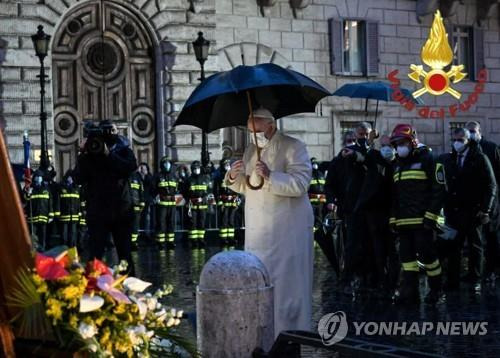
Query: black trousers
<point x="136" y="224"/>
<point x="120" y="228"/>
<point x="69" y="232"/>
<point x="147" y="220"/>
<point x="318" y="215"/>
<point x="165" y="219"/>
<point x="39" y="230"/>
<point x="474" y="242"/>
<point x="227" y="225"/>
<point x="198" y="217"/>
<point x="355" y="246"/>
<point x="419" y="243"/>
<point x="490" y="238"/>
<point x="382" y="245"/>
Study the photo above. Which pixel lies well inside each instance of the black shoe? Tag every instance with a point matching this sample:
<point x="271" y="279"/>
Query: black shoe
<point x="433" y="297"/>
<point x="403" y="297"/>
<point x="435" y="294"/>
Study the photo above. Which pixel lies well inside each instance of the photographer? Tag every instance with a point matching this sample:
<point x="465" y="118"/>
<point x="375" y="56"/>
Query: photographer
<point x="104" y="166"/>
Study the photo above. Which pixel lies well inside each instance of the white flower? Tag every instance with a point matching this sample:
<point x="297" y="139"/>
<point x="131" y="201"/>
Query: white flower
<point x="90" y="303"/>
<point x="180" y="313"/>
<point x="173" y="312"/>
<point x="177" y="321"/>
<point x="93" y="348"/>
<point x="165" y="343"/>
<point x="135" y="285"/>
<point x="158" y="306"/>
<point x="170" y="322"/>
<point x="136" y="333"/>
<point x="143" y="308"/>
<point x="151" y="302"/>
<point x="87" y="330"/>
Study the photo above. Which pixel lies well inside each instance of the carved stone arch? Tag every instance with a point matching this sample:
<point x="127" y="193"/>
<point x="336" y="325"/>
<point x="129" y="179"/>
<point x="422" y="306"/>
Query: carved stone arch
<point x="122" y="78"/>
<point x="234" y="140"/>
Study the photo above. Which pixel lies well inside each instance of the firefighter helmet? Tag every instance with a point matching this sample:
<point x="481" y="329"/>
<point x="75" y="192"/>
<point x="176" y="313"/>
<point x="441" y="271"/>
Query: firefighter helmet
<point x="404" y="131"/>
<point x="195" y="164"/>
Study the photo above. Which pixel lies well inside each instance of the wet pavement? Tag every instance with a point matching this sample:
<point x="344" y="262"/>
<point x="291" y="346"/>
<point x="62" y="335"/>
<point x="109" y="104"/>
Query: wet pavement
<point x="181" y="268"/>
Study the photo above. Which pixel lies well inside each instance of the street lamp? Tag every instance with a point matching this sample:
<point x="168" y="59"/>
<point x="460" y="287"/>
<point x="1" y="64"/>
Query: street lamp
<point x="201" y="46"/>
<point x="41" y="43"/>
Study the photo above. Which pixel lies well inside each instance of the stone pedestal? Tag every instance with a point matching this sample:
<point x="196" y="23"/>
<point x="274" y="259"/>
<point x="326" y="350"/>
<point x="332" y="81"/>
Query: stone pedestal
<point x="234" y="306"/>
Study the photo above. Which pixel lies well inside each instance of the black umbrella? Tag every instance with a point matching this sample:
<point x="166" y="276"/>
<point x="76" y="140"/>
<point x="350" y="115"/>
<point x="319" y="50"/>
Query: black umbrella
<point x="227" y="99"/>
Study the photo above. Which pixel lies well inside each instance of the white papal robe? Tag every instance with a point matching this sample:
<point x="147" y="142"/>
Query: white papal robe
<point x="279" y="226"/>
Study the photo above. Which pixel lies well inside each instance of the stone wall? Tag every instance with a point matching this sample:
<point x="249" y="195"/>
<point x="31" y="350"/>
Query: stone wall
<point x="296" y="39"/>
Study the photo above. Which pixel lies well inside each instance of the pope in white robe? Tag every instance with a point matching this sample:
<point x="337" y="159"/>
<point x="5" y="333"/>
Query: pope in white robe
<point x="279" y="218"/>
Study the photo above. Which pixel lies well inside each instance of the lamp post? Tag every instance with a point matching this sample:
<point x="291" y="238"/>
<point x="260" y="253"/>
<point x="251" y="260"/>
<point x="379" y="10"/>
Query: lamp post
<point x="201" y="46"/>
<point x="41" y="43"/>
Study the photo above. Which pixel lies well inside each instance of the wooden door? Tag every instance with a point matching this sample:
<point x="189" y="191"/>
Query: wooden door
<point x="103" y="68"/>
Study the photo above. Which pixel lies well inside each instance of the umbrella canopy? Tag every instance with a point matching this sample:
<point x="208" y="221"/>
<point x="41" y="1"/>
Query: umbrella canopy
<point x="221" y="100"/>
<point x="371" y="90"/>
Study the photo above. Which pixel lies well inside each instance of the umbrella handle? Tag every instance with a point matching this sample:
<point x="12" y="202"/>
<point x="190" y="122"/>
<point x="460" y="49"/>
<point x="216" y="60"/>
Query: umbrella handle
<point x="261" y="184"/>
<point x="257" y="187"/>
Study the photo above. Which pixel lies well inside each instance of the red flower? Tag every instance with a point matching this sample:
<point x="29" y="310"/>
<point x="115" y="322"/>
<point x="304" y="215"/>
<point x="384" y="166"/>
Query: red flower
<point x="95" y="268"/>
<point x="98" y="267"/>
<point x="50" y="268"/>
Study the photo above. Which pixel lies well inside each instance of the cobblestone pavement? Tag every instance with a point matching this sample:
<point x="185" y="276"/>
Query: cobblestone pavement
<point x="181" y="267"/>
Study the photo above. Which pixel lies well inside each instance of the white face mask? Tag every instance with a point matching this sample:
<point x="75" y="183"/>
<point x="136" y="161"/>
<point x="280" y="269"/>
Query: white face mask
<point x="197" y="171"/>
<point x="476" y="137"/>
<point x="38" y="180"/>
<point x="387" y="153"/>
<point x="227" y="167"/>
<point x="261" y="139"/>
<point x="459" y="146"/>
<point x="403" y="151"/>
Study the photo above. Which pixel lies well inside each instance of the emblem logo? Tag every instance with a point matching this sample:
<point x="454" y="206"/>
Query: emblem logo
<point x="437" y="54"/>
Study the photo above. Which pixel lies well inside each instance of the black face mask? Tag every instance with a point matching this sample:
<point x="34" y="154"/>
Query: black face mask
<point x="361" y="142"/>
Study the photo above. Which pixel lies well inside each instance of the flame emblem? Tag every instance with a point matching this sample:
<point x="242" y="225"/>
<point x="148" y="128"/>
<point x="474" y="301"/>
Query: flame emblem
<point x="437" y="54"/>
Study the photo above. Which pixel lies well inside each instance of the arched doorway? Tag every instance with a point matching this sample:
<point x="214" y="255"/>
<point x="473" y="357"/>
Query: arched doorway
<point x="103" y="68"/>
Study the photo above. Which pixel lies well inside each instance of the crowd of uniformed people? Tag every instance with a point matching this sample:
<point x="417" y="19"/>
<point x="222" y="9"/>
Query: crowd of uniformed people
<point x="392" y="206"/>
<point x="177" y="198"/>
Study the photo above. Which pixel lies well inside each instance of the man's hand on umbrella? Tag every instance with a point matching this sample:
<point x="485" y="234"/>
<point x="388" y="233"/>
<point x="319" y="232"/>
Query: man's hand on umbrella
<point x="237" y="168"/>
<point x="262" y="170"/>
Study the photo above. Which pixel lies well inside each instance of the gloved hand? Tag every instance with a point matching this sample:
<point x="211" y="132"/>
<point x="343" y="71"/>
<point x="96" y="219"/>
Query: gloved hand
<point x="484" y="218"/>
<point x="431" y="225"/>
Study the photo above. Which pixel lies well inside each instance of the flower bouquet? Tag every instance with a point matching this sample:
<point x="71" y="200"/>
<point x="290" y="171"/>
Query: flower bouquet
<point x="96" y="309"/>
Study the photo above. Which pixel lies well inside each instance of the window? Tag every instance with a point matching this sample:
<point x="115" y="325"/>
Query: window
<point x="346" y="126"/>
<point x="354" y="47"/>
<point x="462" y="47"/>
<point x="467" y="43"/>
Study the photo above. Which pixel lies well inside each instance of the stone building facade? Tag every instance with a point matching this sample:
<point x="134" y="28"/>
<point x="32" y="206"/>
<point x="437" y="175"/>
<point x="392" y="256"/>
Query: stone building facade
<point x="149" y="68"/>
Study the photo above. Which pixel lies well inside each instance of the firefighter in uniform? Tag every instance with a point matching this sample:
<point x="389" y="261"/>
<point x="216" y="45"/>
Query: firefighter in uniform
<point x="227" y="202"/>
<point x="39" y="210"/>
<point x="166" y="188"/>
<point x="70" y="207"/>
<point x="137" y="195"/>
<point x="418" y="194"/>
<point x="198" y="203"/>
<point x="317" y="194"/>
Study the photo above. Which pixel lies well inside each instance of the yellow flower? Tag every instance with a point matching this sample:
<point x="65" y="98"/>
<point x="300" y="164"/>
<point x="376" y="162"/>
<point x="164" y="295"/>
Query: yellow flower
<point x="120" y="308"/>
<point x="54" y="309"/>
<point x="71" y="292"/>
<point x="73" y="320"/>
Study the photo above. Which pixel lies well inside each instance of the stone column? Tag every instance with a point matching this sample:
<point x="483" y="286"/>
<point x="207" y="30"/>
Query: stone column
<point x="234" y="306"/>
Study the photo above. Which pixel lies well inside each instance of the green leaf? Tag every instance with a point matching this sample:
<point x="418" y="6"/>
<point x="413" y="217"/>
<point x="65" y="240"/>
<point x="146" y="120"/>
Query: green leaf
<point x="31" y="319"/>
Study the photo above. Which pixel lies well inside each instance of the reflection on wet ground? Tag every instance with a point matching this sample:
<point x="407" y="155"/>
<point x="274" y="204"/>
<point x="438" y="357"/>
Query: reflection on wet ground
<point x="182" y="267"/>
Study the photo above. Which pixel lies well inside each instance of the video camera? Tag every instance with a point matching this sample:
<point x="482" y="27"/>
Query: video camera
<point x="97" y="136"/>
